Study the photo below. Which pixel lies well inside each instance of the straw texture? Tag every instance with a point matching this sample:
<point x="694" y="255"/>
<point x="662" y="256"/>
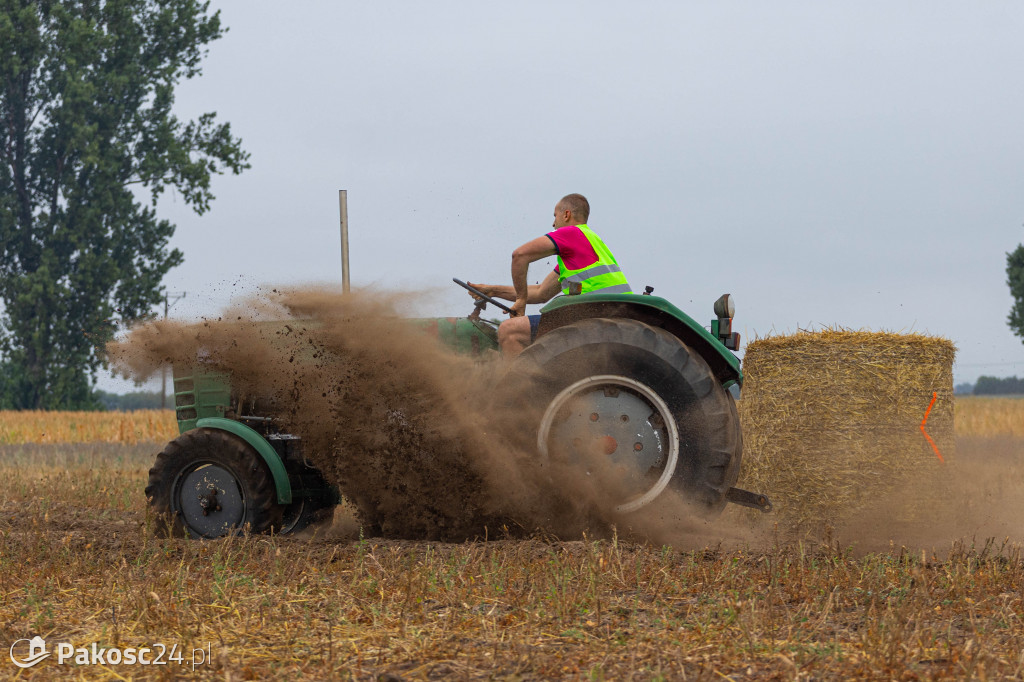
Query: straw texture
<point x="831" y="420"/>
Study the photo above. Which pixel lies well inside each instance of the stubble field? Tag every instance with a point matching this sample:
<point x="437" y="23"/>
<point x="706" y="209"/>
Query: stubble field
<point x="79" y="564"/>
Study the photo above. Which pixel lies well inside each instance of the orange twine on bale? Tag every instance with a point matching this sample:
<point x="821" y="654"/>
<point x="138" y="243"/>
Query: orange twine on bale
<point x="924" y="421"/>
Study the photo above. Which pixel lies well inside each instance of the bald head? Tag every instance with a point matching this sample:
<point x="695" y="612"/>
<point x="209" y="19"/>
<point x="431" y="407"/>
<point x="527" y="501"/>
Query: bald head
<point x="576" y="205"/>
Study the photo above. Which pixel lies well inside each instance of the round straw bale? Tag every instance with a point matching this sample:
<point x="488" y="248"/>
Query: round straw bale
<point x="832" y="421"/>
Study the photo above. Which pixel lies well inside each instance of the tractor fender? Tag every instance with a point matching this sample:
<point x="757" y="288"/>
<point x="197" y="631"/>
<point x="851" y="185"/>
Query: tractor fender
<point x="652" y="310"/>
<point x="260" y="444"/>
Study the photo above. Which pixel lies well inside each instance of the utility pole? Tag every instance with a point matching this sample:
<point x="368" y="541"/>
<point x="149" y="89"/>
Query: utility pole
<point x="343" y="207"/>
<point x="168" y="304"/>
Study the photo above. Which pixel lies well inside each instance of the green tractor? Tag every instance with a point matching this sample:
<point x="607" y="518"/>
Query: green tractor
<point x="630" y="378"/>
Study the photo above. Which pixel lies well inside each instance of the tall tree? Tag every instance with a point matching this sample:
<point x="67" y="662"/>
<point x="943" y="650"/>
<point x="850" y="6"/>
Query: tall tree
<point x="1015" y="279"/>
<point x="88" y="142"/>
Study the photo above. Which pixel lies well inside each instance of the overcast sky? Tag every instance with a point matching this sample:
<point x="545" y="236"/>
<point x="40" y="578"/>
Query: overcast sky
<point x="854" y="164"/>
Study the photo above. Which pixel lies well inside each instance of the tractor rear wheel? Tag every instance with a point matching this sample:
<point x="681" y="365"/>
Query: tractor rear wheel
<point x="207" y="483"/>
<point x="304" y="513"/>
<point x="635" y="405"/>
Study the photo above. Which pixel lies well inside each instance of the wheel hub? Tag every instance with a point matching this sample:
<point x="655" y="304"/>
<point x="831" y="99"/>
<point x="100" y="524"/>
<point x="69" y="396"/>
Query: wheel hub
<point x="616" y="420"/>
<point x="210" y="501"/>
<point x="609" y="421"/>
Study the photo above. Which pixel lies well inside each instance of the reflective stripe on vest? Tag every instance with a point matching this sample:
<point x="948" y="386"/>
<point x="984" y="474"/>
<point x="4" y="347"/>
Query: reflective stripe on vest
<point x="603" y="275"/>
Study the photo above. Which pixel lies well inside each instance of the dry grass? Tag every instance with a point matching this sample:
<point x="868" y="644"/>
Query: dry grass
<point x="989" y="416"/>
<point x="79" y="563"/>
<point x="128" y="428"/>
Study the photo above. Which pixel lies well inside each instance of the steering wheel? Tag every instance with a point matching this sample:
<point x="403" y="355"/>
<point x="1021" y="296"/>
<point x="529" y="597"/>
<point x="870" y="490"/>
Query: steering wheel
<point x="485" y="299"/>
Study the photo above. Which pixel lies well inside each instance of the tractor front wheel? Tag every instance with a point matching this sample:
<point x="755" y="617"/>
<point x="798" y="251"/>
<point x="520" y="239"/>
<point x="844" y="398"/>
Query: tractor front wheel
<point x="207" y="483"/>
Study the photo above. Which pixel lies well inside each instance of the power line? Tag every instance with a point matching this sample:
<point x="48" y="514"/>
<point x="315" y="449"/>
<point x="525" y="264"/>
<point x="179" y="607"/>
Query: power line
<point x="989" y="364"/>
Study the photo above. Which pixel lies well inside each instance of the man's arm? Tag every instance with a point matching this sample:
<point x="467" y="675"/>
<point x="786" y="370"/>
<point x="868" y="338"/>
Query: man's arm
<point x="536" y="293"/>
<point x="531" y="251"/>
<point x="541" y="247"/>
<point x="546" y="290"/>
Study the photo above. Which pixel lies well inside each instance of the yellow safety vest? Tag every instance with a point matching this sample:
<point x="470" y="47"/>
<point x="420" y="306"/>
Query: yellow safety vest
<point x="604" y="275"/>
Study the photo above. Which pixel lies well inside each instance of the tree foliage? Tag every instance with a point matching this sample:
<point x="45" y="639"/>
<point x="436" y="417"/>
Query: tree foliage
<point x="1015" y="279"/>
<point x="88" y="142"/>
<point x="127" y="402"/>
<point x="963" y="388"/>
<point x="999" y="386"/>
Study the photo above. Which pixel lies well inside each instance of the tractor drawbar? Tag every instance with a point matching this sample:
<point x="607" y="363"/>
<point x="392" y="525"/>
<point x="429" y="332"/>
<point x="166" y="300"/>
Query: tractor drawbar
<point x="745" y="498"/>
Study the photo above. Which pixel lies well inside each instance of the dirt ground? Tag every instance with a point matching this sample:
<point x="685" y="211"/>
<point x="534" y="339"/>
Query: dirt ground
<point x="922" y="582"/>
<point x="79" y="564"/>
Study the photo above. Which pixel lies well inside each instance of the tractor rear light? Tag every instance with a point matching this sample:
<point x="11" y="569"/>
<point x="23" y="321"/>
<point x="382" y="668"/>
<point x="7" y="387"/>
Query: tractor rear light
<point x="721" y="327"/>
<point x="724" y="306"/>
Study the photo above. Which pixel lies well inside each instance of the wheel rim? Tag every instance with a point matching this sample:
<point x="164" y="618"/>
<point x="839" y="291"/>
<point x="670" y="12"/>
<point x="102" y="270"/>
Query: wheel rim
<point x="209" y="500"/>
<point x="292" y="515"/>
<point x="623" y="419"/>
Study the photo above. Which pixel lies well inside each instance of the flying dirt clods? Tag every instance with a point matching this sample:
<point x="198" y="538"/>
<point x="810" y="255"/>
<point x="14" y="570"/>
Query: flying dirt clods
<point x="408" y="430"/>
<point x="425" y="445"/>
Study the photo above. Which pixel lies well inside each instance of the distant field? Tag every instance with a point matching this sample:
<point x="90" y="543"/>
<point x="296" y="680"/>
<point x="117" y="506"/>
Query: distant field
<point x="989" y="416"/>
<point x="126" y="428"/>
<point x="975" y="416"/>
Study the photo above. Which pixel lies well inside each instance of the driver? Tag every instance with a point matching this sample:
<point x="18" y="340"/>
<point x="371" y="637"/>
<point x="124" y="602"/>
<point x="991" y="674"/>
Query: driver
<point x="585" y="265"/>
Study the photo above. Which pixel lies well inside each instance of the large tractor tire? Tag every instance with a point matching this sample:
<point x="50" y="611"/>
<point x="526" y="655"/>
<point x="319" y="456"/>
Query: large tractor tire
<point x="635" y="401"/>
<point x="207" y="483"/>
<point x="305" y="512"/>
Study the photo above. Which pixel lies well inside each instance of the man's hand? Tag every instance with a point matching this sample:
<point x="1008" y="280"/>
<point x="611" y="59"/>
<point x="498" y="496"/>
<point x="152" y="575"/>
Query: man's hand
<point x="535" y="293"/>
<point x="482" y="288"/>
<point x="518" y="308"/>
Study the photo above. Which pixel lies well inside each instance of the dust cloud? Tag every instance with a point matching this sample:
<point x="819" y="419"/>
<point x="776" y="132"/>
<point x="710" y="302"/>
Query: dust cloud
<point x="429" y="444"/>
<point x="421" y="440"/>
<point x="974" y="499"/>
<point x="976" y="495"/>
